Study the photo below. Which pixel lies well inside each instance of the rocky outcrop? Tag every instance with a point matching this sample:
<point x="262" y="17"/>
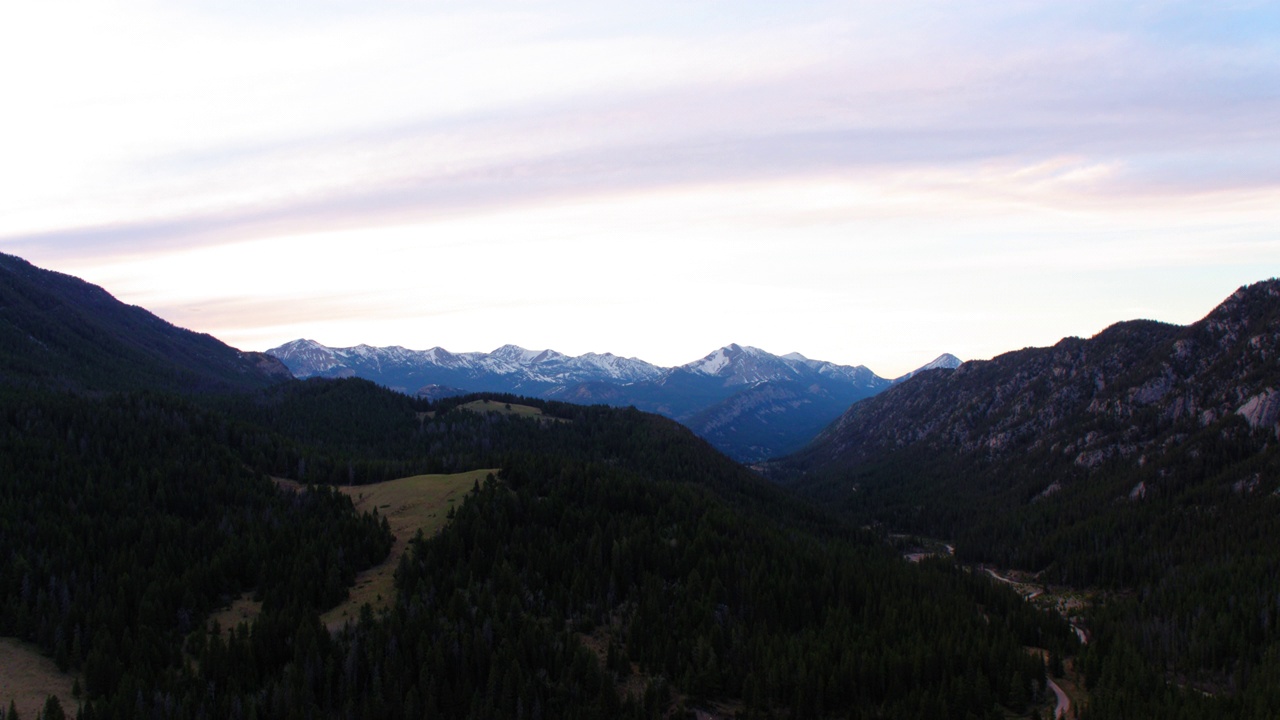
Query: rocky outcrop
<point x="1262" y="410"/>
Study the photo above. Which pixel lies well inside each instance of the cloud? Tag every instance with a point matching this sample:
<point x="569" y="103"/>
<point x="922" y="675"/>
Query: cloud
<point x="860" y="145"/>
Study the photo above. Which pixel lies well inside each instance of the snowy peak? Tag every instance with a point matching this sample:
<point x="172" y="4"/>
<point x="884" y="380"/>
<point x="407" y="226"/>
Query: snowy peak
<point x="301" y="344"/>
<point x="508" y="368"/>
<point x="440" y="356"/>
<point x="746" y="365"/>
<point x="743" y="365"/>
<point x="722" y="361"/>
<point x="547" y="356"/>
<point x="620" y="368"/>
<point x="517" y="354"/>
<point x="310" y="355"/>
<point x="945" y="361"/>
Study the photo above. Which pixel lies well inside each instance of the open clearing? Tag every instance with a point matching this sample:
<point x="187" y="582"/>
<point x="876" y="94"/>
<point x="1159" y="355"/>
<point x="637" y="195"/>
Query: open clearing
<point x="28" y="678"/>
<point x="483" y="406"/>
<point x="409" y="504"/>
<point x="502" y="408"/>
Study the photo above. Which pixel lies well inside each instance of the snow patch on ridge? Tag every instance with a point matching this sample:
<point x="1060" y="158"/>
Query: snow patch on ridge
<point x="713" y="363"/>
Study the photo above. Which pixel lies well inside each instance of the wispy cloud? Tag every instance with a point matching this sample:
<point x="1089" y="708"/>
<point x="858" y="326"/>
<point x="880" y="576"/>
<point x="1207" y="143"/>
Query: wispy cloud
<point x="894" y="137"/>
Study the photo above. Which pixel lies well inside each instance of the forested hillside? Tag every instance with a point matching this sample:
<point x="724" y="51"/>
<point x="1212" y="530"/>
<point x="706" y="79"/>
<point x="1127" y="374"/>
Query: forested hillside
<point x="126" y="519"/>
<point x="616" y="567"/>
<point x="1142" y="461"/>
<point x="59" y="331"/>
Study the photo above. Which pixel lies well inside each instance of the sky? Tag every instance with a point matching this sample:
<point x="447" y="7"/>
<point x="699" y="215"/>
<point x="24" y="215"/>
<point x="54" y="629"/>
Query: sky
<point x="869" y="183"/>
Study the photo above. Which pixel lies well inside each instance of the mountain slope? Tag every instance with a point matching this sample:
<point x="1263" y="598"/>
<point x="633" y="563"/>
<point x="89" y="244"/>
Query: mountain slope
<point x="1121" y="395"/>
<point x="61" y="331"/>
<point x="771" y="419"/>
<point x="1143" y="460"/>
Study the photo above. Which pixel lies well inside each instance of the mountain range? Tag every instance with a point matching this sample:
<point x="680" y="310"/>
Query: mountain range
<point x="748" y="403"/>
<point x="612" y="564"/>
<point x="387" y="556"/>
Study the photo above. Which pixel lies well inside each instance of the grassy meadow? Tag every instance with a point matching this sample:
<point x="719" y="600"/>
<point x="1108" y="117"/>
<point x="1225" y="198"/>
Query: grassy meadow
<point x="409" y="504"/>
<point x="28" y="678"/>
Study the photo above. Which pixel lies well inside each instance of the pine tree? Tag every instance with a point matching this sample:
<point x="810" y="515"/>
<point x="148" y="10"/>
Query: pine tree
<point x="53" y="709"/>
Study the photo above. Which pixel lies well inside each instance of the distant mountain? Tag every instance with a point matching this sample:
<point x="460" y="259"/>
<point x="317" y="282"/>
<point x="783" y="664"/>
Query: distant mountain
<point x="945" y="361"/>
<point x="59" y="331"/>
<point x="754" y="405"/>
<point x="749" y="403"/>
<point x="507" y="369"/>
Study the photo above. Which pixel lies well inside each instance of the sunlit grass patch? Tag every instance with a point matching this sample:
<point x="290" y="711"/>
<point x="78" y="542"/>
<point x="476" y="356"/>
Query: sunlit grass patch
<point x="409" y="504"/>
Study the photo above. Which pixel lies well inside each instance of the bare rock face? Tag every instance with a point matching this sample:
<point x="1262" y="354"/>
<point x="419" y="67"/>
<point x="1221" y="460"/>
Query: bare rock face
<point x="1262" y="410"/>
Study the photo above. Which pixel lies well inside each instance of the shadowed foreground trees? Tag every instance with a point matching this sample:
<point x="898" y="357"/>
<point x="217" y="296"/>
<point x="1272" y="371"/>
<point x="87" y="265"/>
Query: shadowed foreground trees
<point x="131" y="517"/>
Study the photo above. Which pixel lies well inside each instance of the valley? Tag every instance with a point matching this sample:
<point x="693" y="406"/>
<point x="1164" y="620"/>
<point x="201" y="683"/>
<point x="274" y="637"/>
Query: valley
<point x="497" y="555"/>
<point x="748" y="403"/>
<point x="1140" y="463"/>
<point x="1065" y="683"/>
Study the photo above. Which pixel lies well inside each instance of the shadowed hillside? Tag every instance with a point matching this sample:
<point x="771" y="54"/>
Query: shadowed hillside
<point x="59" y="331"/>
<point x="1144" y="460"/>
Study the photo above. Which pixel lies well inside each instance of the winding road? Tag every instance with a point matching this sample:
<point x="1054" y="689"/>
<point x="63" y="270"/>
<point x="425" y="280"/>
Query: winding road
<point x="1064" y="702"/>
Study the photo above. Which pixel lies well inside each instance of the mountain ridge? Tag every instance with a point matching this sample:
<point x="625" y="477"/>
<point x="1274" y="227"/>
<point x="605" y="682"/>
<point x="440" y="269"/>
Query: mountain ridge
<point x="59" y="330"/>
<point x="399" y="368"/>
<point x="728" y="396"/>
<point x="1180" y="373"/>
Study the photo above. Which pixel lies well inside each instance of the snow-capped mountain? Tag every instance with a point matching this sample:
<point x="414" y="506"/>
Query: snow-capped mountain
<point x="945" y="361"/>
<point x="745" y="365"/>
<point x="509" y="368"/>
<point x="750" y="403"/>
